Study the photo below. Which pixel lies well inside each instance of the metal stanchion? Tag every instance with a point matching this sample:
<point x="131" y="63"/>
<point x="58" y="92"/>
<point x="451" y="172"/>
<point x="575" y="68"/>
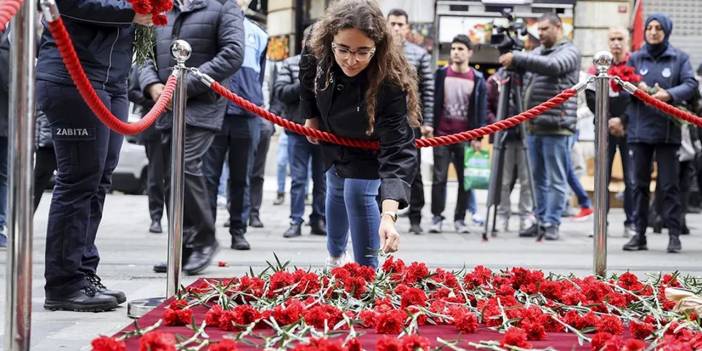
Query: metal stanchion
<point x="602" y="61"/>
<point x="181" y="50"/>
<point x="18" y="300"/>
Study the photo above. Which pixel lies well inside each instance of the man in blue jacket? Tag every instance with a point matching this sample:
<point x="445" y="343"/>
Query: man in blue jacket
<point x="86" y="150"/>
<point x="214" y="29"/>
<point x="239" y="135"/>
<point x="666" y="73"/>
<point x="460" y="105"/>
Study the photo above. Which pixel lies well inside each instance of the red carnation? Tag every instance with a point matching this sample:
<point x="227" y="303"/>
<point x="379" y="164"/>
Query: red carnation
<point x="388" y="344"/>
<point x="368" y="318"/>
<point x="634" y="345"/>
<point x="610" y="324"/>
<point x="534" y="329"/>
<point x="353" y="345"/>
<point x="162" y="20"/>
<point x="318" y="315"/>
<point x="288" y="314"/>
<point x="390" y="322"/>
<point x="464" y="320"/>
<point x="392" y="265"/>
<point x="178" y="304"/>
<point x="641" y="330"/>
<point x="142" y="7"/>
<point x="599" y="340"/>
<point x="177" y="317"/>
<point x="224" y="345"/>
<point x="212" y="316"/>
<point x="106" y="343"/>
<point x="415" y="272"/>
<point x="414" y="343"/>
<point x="515" y="337"/>
<point x="245" y="315"/>
<point x="479" y="276"/>
<point x="320" y="345"/>
<point x="157" y="341"/>
<point x="414" y="297"/>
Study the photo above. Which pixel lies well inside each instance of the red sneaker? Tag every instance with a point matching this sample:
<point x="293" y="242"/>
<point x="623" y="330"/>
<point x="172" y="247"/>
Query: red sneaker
<point x="584" y="214"/>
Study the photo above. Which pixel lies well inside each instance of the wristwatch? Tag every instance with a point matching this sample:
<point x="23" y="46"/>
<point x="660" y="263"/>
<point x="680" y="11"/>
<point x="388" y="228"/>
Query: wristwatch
<point x="391" y="214"/>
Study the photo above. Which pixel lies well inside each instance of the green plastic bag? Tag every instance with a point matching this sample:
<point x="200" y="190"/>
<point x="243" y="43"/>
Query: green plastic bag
<point x="476" y="171"/>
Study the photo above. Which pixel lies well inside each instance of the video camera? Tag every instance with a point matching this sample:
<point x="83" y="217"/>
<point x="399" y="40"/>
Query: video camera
<point x="506" y="38"/>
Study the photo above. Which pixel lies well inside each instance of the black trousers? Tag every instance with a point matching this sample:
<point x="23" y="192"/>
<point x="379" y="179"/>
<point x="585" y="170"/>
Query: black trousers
<point x="198" y="223"/>
<point x="259" y="166"/>
<point x="417" y="194"/>
<point x="44" y="167"/>
<point x="443" y="156"/>
<point x="668" y="168"/>
<point x="237" y="138"/>
<point x="87" y="153"/>
<point x="155" y="178"/>
<point x="612" y="145"/>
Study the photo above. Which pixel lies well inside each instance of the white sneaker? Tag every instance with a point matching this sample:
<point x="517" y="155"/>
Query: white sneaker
<point x="436" y="225"/>
<point x="461" y="227"/>
<point x="477" y="220"/>
<point x="333" y="262"/>
<point x="526" y="222"/>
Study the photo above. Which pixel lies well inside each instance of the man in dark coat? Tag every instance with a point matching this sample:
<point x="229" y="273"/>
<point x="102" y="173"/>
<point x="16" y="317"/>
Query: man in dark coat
<point x="666" y="73"/>
<point x="215" y="31"/>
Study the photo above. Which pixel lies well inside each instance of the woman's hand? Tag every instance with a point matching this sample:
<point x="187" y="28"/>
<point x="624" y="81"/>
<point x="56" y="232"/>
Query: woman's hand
<point x="314" y="124"/>
<point x="144" y="20"/>
<point x="389" y="237"/>
<point x="661" y="94"/>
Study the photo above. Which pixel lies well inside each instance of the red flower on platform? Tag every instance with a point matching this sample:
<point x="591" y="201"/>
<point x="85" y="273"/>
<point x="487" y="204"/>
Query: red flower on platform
<point x="610" y="324"/>
<point x="224" y="345"/>
<point x="212" y="316"/>
<point x="106" y="343"/>
<point x="157" y="341"/>
<point x="464" y="320"/>
<point x="177" y="317"/>
<point x="414" y="342"/>
<point x="641" y="330"/>
<point x="390" y="322"/>
<point x="413" y="297"/>
<point x="320" y="345"/>
<point x="388" y="344"/>
<point x="515" y="337"/>
<point x="634" y="345"/>
<point x="318" y="315"/>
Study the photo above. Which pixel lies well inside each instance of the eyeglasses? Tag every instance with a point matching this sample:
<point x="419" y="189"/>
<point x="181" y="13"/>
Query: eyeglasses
<point x="343" y="53"/>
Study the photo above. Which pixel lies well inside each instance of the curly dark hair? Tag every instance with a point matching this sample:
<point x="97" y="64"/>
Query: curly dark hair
<point x="387" y="65"/>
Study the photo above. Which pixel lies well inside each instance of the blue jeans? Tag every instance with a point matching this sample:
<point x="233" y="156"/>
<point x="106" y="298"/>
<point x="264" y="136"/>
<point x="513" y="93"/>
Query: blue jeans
<point x="223" y="179"/>
<point x="282" y="161"/>
<point x="573" y="181"/>
<point x="3" y="181"/>
<point x="302" y="154"/>
<point x="352" y="206"/>
<point x="549" y="162"/>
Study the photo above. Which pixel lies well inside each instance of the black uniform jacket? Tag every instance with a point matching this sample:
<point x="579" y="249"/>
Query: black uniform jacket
<point x="341" y="109"/>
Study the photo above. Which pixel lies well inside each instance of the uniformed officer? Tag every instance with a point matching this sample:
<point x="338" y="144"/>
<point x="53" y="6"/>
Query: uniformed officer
<point x="665" y="73"/>
<point x="86" y="150"/>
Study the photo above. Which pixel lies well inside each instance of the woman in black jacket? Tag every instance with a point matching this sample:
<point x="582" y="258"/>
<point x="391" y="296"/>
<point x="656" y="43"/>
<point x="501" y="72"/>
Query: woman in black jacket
<point x="356" y="83"/>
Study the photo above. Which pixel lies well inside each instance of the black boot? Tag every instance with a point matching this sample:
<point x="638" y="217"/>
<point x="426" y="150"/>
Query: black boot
<point x="255" y="222"/>
<point x="87" y="299"/>
<point x="416" y="228"/>
<point x="293" y="231"/>
<point x="636" y="243"/>
<point x="96" y="283"/>
<point x="155" y="227"/>
<point x="239" y="242"/>
<point x="531" y="232"/>
<point x="674" y="245"/>
<point x="318" y="227"/>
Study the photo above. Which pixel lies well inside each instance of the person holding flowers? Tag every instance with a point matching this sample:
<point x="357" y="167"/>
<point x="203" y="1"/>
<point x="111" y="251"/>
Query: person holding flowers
<point x="102" y="32"/>
<point x="215" y="31"/>
<point x="667" y="75"/>
<point x="354" y="84"/>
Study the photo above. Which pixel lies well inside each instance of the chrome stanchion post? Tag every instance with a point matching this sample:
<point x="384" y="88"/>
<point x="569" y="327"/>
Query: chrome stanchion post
<point x="181" y="52"/>
<point x="602" y="61"/>
<point x="18" y="299"/>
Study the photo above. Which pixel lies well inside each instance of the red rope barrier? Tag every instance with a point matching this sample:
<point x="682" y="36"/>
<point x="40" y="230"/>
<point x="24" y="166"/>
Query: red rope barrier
<point x="70" y="59"/>
<point x="8" y="9"/>
<point x="667" y="108"/>
<point x="373" y="145"/>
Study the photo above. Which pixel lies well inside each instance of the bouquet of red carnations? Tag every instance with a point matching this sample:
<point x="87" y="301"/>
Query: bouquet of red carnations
<point x="625" y="73"/>
<point x="144" y="37"/>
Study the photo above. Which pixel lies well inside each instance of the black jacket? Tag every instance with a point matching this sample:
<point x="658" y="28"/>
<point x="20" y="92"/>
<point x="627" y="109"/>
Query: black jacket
<point x="216" y="33"/>
<point x="287" y="88"/>
<point x="550" y="71"/>
<point x="478" y="111"/>
<point x="102" y="34"/>
<point x="4" y="83"/>
<point x="342" y="111"/>
<point x="420" y="59"/>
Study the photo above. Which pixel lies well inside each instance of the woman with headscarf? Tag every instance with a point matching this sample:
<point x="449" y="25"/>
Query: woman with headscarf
<point x="667" y="75"/>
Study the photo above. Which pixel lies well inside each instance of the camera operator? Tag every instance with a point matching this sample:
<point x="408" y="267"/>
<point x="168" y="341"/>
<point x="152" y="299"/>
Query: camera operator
<point x="550" y="68"/>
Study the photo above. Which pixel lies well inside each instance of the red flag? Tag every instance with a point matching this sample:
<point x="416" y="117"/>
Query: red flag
<point x="637" y="26"/>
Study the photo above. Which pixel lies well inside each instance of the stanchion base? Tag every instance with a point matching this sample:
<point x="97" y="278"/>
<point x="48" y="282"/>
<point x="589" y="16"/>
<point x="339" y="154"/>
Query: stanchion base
<point x="138" y="308"/>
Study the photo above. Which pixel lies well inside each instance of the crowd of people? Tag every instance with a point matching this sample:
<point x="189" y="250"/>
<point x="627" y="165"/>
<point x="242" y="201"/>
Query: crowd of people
<point x="357" y="77"/>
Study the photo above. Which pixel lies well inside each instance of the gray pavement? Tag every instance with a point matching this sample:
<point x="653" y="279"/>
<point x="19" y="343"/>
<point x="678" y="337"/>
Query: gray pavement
<point x="128" y="252"/>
